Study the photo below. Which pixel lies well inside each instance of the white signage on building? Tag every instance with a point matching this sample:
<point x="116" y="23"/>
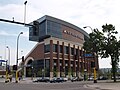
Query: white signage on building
<point x="72" y="34"/>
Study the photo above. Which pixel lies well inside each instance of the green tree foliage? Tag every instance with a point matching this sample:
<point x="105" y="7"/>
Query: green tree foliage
<point x="93" y="43"/>
<point x="105" y="44"/>
<point x="111" y="47"/>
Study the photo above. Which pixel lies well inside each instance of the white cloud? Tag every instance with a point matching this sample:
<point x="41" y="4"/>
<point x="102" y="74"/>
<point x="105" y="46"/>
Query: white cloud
<point x="81" y="13"/>
<point x="25" y="34"/>
<point x="11" y="10"/>
<point x="4" y="33"/>
<point x="94" y="13"/>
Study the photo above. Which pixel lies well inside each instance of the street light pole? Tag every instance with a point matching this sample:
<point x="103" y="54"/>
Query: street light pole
<point x="25" y="12"/>
<point x="88" y="27"/>
<point x="17" y="54"/>
<point x="17" y="47"/>
<point x="8" y="55"/>
<point x="94" y="69"/>
<point x="7" y="65"/>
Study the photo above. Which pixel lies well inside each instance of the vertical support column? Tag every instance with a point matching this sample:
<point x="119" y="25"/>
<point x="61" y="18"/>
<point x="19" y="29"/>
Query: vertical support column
<point x="58" y="61"/>
<point x="74" y="65"/>
<point x="51" y="59"/>
<point x="69" y="61"/>
<point x="82" y="60"/>
<point x="88" y="67"/>
<point x="78" y="65"/>
<point x="24" y="71"/>
<point x="63" y="61"/>
<point x="85" y="66"/>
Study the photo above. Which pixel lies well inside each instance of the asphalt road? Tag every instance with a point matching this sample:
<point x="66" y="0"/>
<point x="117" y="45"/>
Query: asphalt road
<point x="43" y="86"/>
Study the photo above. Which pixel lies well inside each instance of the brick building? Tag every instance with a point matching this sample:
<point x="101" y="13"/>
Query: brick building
<point x="58" y="52"/>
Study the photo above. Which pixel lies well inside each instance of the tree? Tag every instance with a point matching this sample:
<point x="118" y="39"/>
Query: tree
<point x="110" y="47"/>
<point x="105" y="44"/>
<point x="94" y="42"/>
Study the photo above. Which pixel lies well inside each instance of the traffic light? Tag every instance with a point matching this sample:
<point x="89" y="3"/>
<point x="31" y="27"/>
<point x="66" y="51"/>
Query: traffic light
<point x="92" y="64"/>
<point x="22" y="58"/>
<point x="35" y="28"/>
<point x="14" y="67"/>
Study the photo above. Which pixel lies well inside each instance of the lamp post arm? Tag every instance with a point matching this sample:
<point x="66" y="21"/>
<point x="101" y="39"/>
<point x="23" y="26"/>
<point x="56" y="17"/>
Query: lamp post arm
<point x="89" y="27"/>
<point x="17" y="48"/>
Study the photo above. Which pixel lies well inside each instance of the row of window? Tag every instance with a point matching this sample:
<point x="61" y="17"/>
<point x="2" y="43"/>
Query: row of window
<point x="54" y="29"/>
<point x="61" y="48"/>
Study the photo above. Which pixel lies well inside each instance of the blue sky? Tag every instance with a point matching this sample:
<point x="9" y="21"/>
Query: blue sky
<point x="94" y="13"/>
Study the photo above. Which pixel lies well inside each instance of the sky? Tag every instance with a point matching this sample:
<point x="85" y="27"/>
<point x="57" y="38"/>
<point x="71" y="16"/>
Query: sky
<point x="93" y="13"/>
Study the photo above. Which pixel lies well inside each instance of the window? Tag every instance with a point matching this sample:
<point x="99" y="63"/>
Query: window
<point x="61" y="48"/>
<point x="67" y="50"/>
<point x="42" y="28"/>
<point x="54" y="29"/>
<point x="47" y="48"/>
<point x="76" y="51"/>
<point x="55" y="48"/>
<point x="72" y="51"/>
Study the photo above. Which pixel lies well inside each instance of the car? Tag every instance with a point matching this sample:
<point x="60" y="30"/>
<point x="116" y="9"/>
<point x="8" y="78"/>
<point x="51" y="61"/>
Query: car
<point x="102" y="78"/>
<point x="65" y="79"/>
<point x="36" y="80"/>
<point x="54" y="80"/>
<point x="42" y="80"/>
<point x="59" y="80"/>
<point x="90" y="78"/>
<point x="74" y="79"/>
<point x="77" y="79"/>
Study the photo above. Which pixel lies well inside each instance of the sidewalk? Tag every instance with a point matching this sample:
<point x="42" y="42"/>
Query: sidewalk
<point x="104" y="85"/>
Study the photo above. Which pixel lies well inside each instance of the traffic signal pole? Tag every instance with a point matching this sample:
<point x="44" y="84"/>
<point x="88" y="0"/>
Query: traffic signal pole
<point x="20" y="23"/>
<point x="35" y="26"/>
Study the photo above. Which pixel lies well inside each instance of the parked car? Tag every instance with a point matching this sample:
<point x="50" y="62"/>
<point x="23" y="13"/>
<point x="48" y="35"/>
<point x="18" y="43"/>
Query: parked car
<point x="54" y="80"/>
<point x="90" y="78"/>
<point x="42" y="80"/>
<point x="65" y="79"/>
<point x="36" y="80"/>
<point x="77" y="79"/>
<point x="103" y="78"/>
<point x="59" y="80"/>
<point x="74" y="79"/>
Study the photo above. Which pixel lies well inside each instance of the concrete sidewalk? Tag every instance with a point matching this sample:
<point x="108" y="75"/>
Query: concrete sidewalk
<point x="104" y="85"/>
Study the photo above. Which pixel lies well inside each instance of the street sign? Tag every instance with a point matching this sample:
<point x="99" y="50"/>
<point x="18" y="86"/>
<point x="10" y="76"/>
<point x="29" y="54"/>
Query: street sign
<point x="88" y="55"/>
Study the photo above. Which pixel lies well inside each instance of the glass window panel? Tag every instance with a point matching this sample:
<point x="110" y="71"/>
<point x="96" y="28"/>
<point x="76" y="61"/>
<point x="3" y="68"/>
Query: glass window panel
<point x="61" y="48"/>
<point x="47" y="48"/>
<point x="55" y="48"/>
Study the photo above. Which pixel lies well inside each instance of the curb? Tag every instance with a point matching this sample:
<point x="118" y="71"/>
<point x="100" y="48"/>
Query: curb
<point x="95" y="87"/>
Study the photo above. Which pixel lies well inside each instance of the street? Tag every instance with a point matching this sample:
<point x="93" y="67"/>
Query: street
<point x="43" y="86"/>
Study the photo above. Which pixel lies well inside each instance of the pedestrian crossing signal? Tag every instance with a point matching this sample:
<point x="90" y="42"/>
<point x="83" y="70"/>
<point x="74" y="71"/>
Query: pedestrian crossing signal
<point x="14" y="67"/>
